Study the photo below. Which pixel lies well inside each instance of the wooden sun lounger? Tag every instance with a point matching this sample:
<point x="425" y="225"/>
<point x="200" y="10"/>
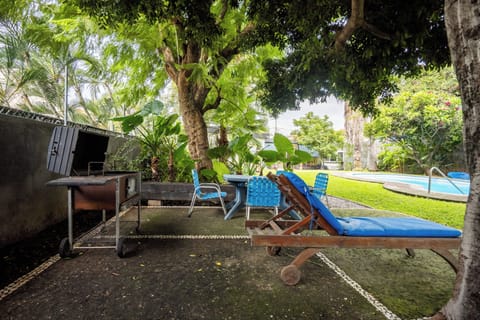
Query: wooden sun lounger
<point x="276" y="233"/>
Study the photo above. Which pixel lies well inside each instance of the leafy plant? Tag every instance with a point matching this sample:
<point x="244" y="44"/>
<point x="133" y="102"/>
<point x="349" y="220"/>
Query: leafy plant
<point x="423" y="126"/>
<point x="164" y="136"/>
<point x="215" y="174"/>
<point x="285" y="153"/>
<point x="237" y="155"/>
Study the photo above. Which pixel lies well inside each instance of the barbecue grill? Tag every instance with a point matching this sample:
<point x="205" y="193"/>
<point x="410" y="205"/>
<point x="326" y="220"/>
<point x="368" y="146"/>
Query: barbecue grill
<point x="80" y="155"/>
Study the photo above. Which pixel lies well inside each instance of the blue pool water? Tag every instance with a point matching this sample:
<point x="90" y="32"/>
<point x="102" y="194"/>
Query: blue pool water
<point x="439" y="185"/>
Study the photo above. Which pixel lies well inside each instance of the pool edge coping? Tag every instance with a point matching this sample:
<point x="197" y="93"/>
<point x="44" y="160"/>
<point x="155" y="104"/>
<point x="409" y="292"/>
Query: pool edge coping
<point x="404" y="188"/>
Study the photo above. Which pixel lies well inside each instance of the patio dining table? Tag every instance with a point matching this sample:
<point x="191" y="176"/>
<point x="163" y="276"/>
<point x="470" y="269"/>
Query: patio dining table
<point x="241" y="182"/>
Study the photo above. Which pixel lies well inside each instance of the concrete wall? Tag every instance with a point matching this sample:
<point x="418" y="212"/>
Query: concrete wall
<point x="27" y="205"/>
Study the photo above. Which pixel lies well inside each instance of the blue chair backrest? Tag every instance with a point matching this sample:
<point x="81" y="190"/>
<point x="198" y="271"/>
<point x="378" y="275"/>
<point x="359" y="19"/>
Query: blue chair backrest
<point x="303" y="188"/>
<point x="261" y="192"/>
<point x="321" y="184"/>
<point x="196" y="181"/>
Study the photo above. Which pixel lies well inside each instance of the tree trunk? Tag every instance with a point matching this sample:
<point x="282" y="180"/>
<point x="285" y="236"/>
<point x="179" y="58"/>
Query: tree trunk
<point x="354" y="122"/>
<point x="372" y="155"/>
<point x="154" y="168"/>
<point x="193" y="92"/>
<point x="191" y="95"/>
<point x="462" y="20"/>
<point x="222" y="139"/>
<point x="193" y="121"/>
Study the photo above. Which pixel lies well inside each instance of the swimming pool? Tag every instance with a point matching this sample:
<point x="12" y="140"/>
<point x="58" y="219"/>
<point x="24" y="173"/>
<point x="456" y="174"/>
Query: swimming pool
<point x="439" y="185"/>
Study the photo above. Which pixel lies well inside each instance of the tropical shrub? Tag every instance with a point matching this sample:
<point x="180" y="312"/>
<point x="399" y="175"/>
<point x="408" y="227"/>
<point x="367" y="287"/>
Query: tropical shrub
<point x="285" y="153"/>
<point x="162" y="140"/>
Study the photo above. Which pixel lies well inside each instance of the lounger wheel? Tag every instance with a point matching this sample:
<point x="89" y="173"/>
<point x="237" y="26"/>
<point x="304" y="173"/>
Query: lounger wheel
<point x="64" y="249"/>
<point x="290" y="275"/>
<point x="121" y="248"/>
<point x="273" y="251"/>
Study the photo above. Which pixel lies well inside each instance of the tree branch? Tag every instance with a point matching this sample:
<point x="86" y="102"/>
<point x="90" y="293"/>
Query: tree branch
<point x="355" y="22"/>
<point x="169" y="60"/>
<point x="221" y="16"/>
<point x="375" y="31"/>
<point x="216" y="103"/>
<point x="233" y="48"/>
<point x="213" y="105"/>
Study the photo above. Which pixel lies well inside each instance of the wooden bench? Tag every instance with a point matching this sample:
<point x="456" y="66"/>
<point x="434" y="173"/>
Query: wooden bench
<point x="176" y="191"/>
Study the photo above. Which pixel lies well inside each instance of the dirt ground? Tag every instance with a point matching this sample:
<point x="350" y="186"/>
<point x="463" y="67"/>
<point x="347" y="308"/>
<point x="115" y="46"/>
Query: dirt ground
<point x="183" y="279"/>
<point x="22" y="257"/>
<point x="213" y="278"/>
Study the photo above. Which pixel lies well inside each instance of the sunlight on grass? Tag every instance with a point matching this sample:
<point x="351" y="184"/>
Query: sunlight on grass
<point x="375" y="196"/>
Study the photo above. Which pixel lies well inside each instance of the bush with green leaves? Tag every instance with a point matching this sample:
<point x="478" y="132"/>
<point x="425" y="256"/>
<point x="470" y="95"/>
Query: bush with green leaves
<point x="162" y="140"/>
<point x="421" y="127"/>
<point x="317" y="133"/>
<point x="238" y="156"/>
<point x="285" y="153"/>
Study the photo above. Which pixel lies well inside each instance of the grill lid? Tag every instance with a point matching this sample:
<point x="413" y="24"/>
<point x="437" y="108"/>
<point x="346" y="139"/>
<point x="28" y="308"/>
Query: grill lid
<point x="71" y="151"/>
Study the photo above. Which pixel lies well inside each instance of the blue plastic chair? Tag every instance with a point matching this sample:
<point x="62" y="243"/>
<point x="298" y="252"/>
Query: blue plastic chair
<point x="320" y="187"/>
<point x="458" y="175"/>
<point x="262" y="193"/>
<point x="201" y="194"/>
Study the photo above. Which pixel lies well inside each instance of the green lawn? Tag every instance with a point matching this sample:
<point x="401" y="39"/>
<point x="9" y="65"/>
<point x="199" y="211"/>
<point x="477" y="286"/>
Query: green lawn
<point x="375" y="196"/>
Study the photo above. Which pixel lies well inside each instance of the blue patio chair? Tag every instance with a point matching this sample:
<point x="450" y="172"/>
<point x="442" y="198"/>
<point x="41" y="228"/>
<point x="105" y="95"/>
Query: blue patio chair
<point x="262" y="193"/>
<point x="320" y="187"/>
<point x="458" y="175"/>
<point x="200" y="192"/>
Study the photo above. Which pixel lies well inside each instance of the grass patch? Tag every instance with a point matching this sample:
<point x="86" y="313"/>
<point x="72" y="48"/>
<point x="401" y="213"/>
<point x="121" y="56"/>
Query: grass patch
<point x="375" y="196"/>
<point x="409" y="287"/>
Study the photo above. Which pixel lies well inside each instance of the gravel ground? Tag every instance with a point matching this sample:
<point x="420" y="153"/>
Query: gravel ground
<point x="193" y="278"/>
<point x="344" y="204"/>
<point x="20" y="258"/>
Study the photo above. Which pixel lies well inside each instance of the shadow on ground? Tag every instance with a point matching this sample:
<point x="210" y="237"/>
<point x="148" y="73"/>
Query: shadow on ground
<point x="225" y="278"/>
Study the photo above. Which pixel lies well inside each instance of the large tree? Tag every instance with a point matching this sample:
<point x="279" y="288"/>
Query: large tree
<point x="423" y="123"/>
<point x="38" y="43"/>
<point x="463" y="21"/>
<point x="318" y="134"/>
<point x="351" y="49"/>
<point x="195" y="41"/>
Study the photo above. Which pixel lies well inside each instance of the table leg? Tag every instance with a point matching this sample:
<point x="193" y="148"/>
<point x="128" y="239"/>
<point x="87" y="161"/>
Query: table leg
<point x="239" y="202"/>
<point x="284" y="205"/>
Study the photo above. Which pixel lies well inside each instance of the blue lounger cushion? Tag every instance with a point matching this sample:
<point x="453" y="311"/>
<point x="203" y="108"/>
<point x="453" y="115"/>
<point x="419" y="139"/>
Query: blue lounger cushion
<point x="374" y="226"/>
<point x="395" y="227"/>
<point x="303" y="188"/>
